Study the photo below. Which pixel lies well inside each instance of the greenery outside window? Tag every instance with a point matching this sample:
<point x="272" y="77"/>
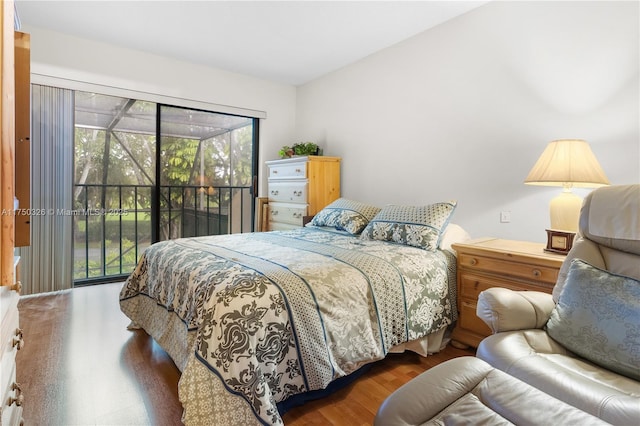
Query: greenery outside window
<point x="145" y="172"/>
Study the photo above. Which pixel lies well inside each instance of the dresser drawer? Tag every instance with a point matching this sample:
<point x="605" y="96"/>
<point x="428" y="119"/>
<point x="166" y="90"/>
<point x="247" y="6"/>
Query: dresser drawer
<point x="9" y="324"/>
<point x="287" y="213"/>
<point x="11" y="409"/>
<point x="509" y="268"/>
<point x="10" y="335"/>
<point x="291" y="192"/>
<point x="291" y="170"/>
<point x="11" y="412"/>
<point x="281" y="226"/>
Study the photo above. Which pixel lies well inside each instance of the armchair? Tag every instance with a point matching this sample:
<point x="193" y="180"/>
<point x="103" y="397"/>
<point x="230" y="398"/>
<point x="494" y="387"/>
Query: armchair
<point x="581" y="344"/>
<point x="572" y="357"/>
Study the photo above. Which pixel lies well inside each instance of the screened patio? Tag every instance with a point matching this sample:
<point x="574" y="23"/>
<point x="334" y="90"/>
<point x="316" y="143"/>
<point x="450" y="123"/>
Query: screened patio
<point x="147" y="172"/>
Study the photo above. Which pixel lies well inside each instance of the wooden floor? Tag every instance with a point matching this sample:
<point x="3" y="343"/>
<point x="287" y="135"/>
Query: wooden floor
<point x="81" y="366"/>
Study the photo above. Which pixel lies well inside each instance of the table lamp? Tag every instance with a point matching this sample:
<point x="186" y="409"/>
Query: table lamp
<point x="567" y="163"/>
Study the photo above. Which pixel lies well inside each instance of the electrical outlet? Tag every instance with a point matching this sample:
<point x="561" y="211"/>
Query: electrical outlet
<point x="505" y="217"/>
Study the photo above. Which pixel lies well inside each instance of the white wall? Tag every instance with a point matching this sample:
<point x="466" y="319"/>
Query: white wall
<point x="463" y="111"/>
<point x="55" y="55"/>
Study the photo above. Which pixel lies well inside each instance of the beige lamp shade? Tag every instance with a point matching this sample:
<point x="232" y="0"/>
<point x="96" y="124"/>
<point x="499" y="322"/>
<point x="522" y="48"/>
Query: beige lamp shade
<point x="567" y="163"/>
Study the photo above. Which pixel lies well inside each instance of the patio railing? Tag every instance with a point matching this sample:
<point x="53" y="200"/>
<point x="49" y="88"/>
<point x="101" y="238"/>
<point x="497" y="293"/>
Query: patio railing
<point x="113" y="224"/>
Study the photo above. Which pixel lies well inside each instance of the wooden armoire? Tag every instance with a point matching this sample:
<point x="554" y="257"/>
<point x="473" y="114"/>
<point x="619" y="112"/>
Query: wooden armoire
<point x="11" y="339"/>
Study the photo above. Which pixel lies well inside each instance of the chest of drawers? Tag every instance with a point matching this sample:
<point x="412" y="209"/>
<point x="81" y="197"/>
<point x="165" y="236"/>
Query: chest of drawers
<point x="11" y="342"/>
<point x="492" y="262"/>
<point x="300" y="186"/>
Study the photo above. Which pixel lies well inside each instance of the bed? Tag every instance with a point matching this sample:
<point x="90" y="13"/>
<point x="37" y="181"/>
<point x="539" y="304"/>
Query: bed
<point x="256" y="319"/>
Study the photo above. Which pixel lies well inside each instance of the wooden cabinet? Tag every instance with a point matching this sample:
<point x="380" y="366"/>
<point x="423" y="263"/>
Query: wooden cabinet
<point x="23" y="137"/>
<point x="301" y="186"/>
<point x="492" y="262"/>
<point x="10" y="335"/>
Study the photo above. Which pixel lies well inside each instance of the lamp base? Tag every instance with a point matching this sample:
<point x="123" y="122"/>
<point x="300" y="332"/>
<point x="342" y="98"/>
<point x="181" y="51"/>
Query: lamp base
<point x="565" y="210"/>
<point x="559" y="241"/>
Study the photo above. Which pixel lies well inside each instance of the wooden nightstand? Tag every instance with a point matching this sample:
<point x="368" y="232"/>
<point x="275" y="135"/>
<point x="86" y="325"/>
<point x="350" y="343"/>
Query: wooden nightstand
<point x="492" y="262"/>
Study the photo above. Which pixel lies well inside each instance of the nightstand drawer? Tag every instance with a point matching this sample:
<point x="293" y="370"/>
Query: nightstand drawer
<point x="293" y="192"/>
<point x="509" y="268"/>
<point x="287" y="213"/>
<point x="470" y="321"/>
<point x="471" y="285"/>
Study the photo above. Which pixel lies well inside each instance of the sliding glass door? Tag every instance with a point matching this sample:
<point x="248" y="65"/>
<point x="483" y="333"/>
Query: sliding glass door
<point x="146" y="172"/>
<point x="206" y="173"/>
<point x="114" y="177"/>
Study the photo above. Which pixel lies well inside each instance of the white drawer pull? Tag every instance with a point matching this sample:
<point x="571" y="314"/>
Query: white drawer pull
<point x="298" y="171"/>
<point x="297" y="193"/>
<point x="274" y="212"/>
<point x="275" y="172"/>
<point x="274" y="192"/>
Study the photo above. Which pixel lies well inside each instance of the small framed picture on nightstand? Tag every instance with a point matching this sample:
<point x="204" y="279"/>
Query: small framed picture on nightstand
<point x="559" y="241"/>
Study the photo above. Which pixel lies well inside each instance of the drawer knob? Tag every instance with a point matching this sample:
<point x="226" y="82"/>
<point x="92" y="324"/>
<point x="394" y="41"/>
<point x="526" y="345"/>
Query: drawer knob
<point x="537" y="273"/>
<point x="18" y="339"/>
<point x="275" y="172"/>
<point x="18" y="342"/>
<point x="274" y="192"/>
<point x="18" y="399"/>
<point x="17" y="287"/>
<point x="298" y="171"/>
<point x="274" y="212"/>
<point x="297" y="193"/>
<point x="472" y="262"/>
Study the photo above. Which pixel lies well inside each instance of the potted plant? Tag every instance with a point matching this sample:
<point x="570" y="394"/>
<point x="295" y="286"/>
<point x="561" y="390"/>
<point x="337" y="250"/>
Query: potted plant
<point x="301" y="148"/>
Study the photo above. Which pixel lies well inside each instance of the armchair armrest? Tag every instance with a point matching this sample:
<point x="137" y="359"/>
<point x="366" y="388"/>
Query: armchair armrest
<point x="503" y="309"/>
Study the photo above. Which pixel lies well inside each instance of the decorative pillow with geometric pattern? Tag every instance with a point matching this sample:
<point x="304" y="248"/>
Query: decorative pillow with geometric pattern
<point x="418" y="226"/>
<point x="345" y="215"/>
<point x="598" y="317"/>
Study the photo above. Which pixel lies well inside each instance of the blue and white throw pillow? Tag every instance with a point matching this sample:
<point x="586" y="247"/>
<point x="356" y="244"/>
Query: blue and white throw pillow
<point x="345" y="215"/>
<point x="418" y="226"/>
<point x="597" y="317"/>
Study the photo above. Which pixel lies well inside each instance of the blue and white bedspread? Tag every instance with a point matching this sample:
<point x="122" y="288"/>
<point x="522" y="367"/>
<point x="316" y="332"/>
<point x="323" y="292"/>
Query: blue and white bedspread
<point x="275" y="314"/>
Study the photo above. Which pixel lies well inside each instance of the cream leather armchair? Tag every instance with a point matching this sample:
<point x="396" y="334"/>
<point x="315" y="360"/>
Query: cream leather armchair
<point x="468" y="391"/>
<point x="604" y="379"/>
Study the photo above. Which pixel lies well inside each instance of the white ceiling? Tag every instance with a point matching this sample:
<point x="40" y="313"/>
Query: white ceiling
<point x="289" y="42"/>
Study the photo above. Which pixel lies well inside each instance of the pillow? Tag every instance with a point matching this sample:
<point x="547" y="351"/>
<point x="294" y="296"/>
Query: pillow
<point x="418" y="226"/>
<point x="452" y="234"/>
<point x="345" y="215"/>
<point x="598" y="316"/>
